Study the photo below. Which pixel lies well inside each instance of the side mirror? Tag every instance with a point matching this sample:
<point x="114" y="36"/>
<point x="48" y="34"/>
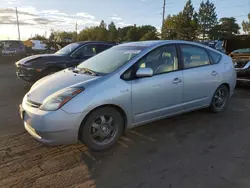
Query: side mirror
<point x="144" y="72"/>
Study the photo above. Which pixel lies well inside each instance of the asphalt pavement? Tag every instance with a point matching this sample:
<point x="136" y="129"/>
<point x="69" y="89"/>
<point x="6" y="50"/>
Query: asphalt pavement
<point x="194" y="150"/>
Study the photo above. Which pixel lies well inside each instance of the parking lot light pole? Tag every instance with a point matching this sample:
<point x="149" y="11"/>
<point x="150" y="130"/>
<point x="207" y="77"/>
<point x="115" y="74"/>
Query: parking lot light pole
<point x="163" y="17"/>
<point x="18" y="29"/>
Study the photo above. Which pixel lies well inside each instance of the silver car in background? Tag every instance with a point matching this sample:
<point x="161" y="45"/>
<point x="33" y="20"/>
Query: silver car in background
<point x="126" y="86"/>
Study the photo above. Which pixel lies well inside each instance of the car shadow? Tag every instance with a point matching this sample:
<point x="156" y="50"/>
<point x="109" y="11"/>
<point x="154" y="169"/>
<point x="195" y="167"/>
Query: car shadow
<point x="148" y="153"/>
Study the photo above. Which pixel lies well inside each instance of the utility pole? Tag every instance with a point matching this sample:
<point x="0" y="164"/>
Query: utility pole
<point x="76" y="30"/>
<point x="18" y="29"/>
<point x="163" y="17"/>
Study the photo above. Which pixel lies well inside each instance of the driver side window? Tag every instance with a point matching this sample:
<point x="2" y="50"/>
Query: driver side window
<point x="86" y="51"/>
<point x="160" y="60"/>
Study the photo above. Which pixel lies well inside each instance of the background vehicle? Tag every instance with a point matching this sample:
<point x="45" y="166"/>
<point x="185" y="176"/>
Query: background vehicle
<point x="128" y="85"/>
<point x="219" y="46"/>
<point x="238" y="47"/>
<point x="35" y="67"/>
<point x="11" y="48"/>
<point x="210" y="43"/>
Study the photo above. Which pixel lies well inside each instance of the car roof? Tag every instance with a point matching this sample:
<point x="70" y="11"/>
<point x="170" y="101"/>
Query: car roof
<point x="95" y="42"/>
<point x="153" y="43"/>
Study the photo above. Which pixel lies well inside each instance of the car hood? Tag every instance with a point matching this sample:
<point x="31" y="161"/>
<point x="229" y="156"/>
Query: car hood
<point x="237" y="42"/>
<point x="55" y="82"/>
<point x="26" y="60"/>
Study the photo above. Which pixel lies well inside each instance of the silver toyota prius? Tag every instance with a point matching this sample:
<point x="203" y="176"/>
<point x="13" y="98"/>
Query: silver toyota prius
<point x="126" y="86"/>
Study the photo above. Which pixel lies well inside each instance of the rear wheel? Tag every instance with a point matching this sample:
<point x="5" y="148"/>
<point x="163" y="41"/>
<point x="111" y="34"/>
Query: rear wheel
<point x="102" y="128"/>
<point x="220" y="99"/>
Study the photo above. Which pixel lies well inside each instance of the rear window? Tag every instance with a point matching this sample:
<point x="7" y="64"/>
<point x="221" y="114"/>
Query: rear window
<point x="214" y="56"/>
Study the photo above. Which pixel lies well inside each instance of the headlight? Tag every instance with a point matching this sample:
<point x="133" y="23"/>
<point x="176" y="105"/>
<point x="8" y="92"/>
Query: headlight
<point x="58" y="99"/>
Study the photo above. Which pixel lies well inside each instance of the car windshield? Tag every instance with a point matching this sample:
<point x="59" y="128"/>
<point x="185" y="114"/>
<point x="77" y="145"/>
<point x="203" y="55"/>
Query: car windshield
<point x="68" y="49"/>
<point x="111" y="59"/>
<point x="245" y="50"/>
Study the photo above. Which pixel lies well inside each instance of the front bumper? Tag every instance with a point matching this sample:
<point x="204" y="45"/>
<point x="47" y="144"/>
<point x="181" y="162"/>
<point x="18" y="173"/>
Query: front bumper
<point x="28" y="74"/>
<point x="51" y="128"/>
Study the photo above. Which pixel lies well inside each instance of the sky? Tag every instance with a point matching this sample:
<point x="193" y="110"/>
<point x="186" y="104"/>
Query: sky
<point x="41" y="16"/>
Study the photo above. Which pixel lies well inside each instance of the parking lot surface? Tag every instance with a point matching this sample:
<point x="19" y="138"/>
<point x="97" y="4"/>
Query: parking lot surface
<point x="195" y="150"/>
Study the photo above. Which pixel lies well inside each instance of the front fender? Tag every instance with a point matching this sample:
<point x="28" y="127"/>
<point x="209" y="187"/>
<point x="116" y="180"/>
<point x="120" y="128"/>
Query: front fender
<point x="119" y="94"/>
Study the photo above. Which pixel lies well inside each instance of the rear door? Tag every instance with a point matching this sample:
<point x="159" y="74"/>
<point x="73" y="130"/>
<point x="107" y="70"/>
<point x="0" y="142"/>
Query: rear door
<point x="201" y="77"/>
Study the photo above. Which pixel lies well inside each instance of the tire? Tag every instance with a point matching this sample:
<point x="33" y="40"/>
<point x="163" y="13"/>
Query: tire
<point x="93" y="126"/>
<point x="50" y="71"/>
<point x="216" y="106"/>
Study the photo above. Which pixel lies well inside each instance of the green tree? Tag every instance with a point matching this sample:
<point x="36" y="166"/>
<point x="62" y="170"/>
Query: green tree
<point x="171" y="27"/>
<point x="62" y="36"/>
<point x="149" y="36"/>
<point x="112" y="32"/>
<point x="132" y="34"/>
<point x="122" y="33"/>
<point x="227" y="27"/>
<point x="188" y="22"/>
<point x="38" y="37"/>
<point x="102" y="31"/>
<point x="207" y="18"/>
<point x="89" y="33"/>
<point x="183" y="25"/>
<point x="97" y="33"/>
<point x="246" y="25"/>
<point x="188" y="10"/>
<point x="147" y="32"/>
<point x="215" y="32"/>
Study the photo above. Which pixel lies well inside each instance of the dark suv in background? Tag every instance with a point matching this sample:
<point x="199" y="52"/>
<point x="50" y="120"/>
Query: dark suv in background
<point x="35" y="67"/>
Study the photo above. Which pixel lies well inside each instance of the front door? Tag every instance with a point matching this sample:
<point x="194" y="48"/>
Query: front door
<point x="83" y="53"/>
<point x="160" y="95"/>
<point x="201" y="77"/>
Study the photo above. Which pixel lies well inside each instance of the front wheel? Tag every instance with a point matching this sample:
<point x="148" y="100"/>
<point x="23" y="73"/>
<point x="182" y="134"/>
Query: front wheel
<point x="220" y="99"/>
<point x="102" y="128"/>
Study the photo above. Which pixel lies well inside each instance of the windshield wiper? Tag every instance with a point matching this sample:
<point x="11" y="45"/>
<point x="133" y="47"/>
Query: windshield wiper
<point x="86" y="70"/>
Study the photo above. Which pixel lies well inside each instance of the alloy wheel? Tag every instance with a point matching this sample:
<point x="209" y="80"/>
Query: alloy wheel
<point x="103" y="130"/>
<point x="220" y="98"/>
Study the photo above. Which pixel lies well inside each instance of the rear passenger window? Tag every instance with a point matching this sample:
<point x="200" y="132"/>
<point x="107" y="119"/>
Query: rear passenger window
<point x="214" y="56"/>
<point x="194" y="56"/>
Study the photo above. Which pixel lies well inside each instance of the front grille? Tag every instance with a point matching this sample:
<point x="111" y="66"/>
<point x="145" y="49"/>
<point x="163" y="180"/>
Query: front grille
<point x="240" y="64"/>
<point x="20" y="70"/>
<point x="33" y="104"/>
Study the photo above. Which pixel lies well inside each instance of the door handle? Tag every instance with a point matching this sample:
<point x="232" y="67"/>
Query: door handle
<point x="214" y="73"/>
<point x="176" y="81"/>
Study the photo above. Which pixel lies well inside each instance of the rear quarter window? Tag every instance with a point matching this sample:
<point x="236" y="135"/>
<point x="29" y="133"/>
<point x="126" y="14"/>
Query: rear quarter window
<point x="215" y="57"/>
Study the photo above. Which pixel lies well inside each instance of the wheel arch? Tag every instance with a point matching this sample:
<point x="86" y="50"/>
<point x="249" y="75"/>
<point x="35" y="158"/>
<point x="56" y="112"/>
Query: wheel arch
<point x="227" y="85"/>
<point x="118" y="108"/>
